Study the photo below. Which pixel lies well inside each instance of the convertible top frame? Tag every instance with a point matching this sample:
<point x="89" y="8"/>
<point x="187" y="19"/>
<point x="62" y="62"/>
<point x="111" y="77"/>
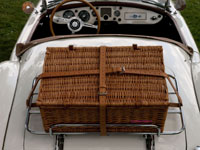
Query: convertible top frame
<point x="22" y="48"/>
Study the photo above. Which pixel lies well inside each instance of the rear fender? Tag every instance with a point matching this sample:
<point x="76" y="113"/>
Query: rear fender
<point x="8" y="80"/>
<point x="196" y="75"/>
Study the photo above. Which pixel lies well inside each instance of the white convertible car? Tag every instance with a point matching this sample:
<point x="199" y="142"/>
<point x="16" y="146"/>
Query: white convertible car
<point x="97" y="23"/>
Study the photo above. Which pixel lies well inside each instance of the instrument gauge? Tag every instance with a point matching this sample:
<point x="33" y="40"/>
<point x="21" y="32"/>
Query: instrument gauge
<point x="117" y="13"/>
<point x="84" y="15"/>
<point x="68" y="14"/>
<point x="93" y="13"/>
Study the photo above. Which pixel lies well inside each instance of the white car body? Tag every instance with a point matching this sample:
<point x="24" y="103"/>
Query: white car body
<point x="18" y="73"/>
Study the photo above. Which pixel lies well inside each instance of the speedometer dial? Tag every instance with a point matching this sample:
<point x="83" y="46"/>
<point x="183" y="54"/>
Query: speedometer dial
<point x="84" y="15"/>
<point x="68" y="14"/>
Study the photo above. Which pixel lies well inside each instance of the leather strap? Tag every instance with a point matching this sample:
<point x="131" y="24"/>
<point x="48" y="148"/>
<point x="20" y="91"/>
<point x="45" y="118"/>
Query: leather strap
<point x="102" y="90"/>
<point x="120" y="70"/>
<point x="67" y="74"/>
<point x="123" y="70"/>
<point x="176" y="92"/>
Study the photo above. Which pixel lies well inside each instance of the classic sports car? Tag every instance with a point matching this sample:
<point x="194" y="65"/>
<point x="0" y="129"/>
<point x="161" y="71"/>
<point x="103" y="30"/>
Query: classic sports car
<point x="148" y="47"/>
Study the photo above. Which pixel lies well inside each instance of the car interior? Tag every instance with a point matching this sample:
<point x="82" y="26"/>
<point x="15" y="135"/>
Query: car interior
<point x="116" y="19"/>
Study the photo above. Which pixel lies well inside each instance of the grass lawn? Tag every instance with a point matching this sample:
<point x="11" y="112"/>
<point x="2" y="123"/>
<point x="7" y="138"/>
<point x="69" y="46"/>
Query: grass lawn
<point x="192" y="17"/>
<point x="12" y="22"/>
<point x="13" y="19"/>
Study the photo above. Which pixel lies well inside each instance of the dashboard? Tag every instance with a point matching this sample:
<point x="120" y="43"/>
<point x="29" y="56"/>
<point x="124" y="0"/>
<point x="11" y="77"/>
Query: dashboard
<point x="119" y="14"/>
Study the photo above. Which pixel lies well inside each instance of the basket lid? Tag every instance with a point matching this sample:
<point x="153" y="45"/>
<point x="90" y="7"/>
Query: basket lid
<point x="130" y="76"/>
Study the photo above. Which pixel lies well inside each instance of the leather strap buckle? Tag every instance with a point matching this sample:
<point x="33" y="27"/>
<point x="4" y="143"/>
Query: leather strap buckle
<point x="102" y="93"/>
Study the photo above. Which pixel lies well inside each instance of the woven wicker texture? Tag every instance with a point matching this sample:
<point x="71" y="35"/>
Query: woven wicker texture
<point x="129" y="97"/>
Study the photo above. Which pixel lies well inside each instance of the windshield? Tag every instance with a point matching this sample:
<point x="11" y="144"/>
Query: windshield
<point x="160" y="3"/>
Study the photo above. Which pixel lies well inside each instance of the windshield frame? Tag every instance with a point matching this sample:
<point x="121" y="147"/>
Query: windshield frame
<point x="48" y="4"/>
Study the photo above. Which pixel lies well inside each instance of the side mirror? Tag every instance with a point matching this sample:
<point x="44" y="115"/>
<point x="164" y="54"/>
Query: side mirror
<point x="28" y="7"/>
<point x="180" y="4"/>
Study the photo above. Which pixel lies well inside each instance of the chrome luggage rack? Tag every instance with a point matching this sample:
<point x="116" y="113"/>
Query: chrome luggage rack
<point x="149" y="136"/>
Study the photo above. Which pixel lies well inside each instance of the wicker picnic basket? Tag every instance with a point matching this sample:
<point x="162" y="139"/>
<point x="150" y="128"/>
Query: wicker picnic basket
<point x="103" y="85"/>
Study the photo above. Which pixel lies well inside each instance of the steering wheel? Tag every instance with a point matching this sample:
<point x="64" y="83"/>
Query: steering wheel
<point x="75" y="24"/>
